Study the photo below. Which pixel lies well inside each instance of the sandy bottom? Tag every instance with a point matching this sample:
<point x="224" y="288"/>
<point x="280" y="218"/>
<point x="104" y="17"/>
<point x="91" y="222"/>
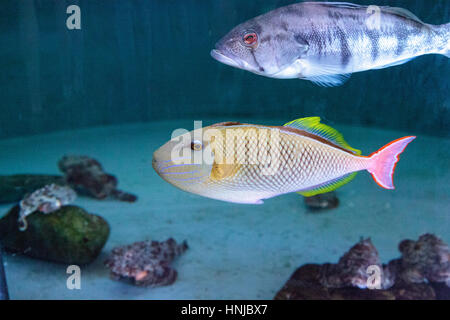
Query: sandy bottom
<point x="236" y="251"/>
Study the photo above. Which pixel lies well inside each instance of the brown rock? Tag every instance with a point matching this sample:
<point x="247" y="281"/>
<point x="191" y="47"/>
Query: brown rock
<point x="87" y="177"/>
<point x="304" y="284"/>
<point x="422" y="273"/>
<point x="146" y="263"/>
<point x="323" y="201"/>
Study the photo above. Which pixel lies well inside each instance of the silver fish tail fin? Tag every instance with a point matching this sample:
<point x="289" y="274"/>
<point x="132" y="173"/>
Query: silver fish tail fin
<point x="444" y="31"/>
<point x="447" y="32"/>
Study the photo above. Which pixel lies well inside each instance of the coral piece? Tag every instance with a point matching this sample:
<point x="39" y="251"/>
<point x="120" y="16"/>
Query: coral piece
<point x="86" y="175"/>
<point x="69" y="235"/>
<point x="427" y="259"/>
<point x="304" y="284"/>
<point x="322" y="201"/>
<point x="146" y="263"/>
<point x="442" y="290"/>
<point x="351" y="270"/>
<point x="47" y="199"/>
<point x="421" y="273"/>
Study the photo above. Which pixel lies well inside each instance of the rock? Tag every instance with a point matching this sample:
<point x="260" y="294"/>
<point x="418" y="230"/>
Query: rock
<point x="422" y="273"/>
<point x="69" y="235"/>
<point x="412" y="291"/>
<point x="14" y="187"/>
<point x="428" y="259"/>
<point x="304" y="284"/>
<point x="87" y="177"/>
<point x="323" y="201"/>
<point x="351" y="269"/>
<point x="442" y="290"/>
<point x="146" y="263"/>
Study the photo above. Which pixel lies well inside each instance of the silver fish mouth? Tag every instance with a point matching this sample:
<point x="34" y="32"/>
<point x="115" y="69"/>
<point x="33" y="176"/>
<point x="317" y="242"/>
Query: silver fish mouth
<point x="240" y="64"/>
<point x="219" y="56"/>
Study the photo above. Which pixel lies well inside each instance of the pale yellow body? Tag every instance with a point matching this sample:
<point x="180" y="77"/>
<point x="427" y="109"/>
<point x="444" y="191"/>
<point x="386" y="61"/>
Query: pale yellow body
<point x="304" y="162"/>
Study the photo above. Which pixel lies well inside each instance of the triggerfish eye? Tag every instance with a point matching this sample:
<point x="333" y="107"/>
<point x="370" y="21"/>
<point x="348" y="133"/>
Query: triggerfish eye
<point x="196" y="145"/>
<point x="250" y="39"/>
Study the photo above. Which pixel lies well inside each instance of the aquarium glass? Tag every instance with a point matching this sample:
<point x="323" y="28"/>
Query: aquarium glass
<point x="112" y="81"/>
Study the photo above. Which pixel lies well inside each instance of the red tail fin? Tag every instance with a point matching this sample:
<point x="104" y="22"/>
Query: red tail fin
<point x="383" y="162"/>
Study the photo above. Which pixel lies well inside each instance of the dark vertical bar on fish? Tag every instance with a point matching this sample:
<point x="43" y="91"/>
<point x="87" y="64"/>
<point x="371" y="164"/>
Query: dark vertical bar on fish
<point x="3" y="286"/>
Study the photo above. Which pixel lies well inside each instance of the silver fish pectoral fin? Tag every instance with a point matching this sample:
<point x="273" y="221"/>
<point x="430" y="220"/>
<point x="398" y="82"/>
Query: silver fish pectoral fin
<point x="329" y="80"/>
<point x="295" y="70"/>
<point x="323" y="74"/>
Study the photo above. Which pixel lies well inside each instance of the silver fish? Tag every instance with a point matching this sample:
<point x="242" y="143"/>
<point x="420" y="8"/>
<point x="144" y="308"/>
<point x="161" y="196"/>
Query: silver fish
<point x="325" y="42"/>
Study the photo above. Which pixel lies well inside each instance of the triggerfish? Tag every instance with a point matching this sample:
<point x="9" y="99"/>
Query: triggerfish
<point x="325" y="42"/>
<point x="246" y="163"/>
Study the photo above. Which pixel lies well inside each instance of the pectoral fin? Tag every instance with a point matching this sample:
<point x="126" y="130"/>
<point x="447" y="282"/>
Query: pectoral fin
<point x="326" y="75"/>
<point x="331" y="80"/>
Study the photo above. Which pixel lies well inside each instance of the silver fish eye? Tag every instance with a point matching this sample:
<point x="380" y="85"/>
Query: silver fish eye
<point x="250" y="39"/>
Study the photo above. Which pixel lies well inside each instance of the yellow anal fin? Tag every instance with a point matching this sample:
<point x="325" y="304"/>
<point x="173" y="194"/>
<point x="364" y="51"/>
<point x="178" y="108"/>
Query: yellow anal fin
<point x="329" y="186"/>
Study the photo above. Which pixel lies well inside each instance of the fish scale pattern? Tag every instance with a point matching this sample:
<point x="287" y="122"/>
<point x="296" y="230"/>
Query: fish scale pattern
<point x="291" y="164"/>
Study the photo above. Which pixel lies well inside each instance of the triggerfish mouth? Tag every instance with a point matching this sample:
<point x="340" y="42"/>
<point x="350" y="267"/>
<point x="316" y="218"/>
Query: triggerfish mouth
<point x="247" y="163"/>
<point x="325" y="42"/>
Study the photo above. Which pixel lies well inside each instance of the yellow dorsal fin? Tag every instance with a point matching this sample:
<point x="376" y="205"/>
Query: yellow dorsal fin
<point x="312" y="125"/>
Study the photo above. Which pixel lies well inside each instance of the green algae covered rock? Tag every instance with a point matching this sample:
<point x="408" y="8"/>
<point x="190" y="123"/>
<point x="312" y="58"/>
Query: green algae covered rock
<point x="69" y="235"/>
<point x="14" y="187"/>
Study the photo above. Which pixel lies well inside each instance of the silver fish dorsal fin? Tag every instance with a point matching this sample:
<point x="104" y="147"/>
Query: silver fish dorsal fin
<point x="393" y="10"/>
<point x="339" y="4"/>
<point x="402" y="13"/>
<point x="313" y="126"/>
